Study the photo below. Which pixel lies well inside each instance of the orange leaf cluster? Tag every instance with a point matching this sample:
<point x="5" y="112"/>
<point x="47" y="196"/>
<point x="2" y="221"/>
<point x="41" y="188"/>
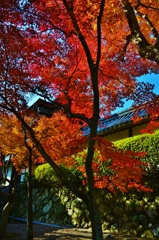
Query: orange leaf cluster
<point x="125" y="168"/>
<point x="87" y="57"/>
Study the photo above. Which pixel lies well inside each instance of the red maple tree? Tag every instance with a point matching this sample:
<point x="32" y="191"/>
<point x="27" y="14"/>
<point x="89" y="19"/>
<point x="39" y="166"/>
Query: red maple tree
<point x="87" y="55"/>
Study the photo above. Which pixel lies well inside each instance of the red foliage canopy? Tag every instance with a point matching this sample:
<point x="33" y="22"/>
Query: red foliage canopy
<point x="86" y="54"/>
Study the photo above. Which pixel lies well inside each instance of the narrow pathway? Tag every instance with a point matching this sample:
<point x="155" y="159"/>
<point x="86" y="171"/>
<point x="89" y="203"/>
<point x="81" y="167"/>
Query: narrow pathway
<point x="42" y="232"/>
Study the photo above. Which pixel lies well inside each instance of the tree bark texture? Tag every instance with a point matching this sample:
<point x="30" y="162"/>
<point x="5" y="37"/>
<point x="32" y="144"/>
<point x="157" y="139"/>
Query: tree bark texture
<point x="30" y="212"/>
<point x="5" y="214"/>
<point x="97" y="233"/>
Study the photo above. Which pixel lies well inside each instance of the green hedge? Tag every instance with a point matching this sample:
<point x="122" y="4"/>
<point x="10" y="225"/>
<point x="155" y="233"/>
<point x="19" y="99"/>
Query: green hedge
<point x="45" y="174"/>
<point x="148" y="143"/>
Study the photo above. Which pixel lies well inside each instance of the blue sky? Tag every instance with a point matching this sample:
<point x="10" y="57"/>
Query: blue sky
<point x="151" y="78"/>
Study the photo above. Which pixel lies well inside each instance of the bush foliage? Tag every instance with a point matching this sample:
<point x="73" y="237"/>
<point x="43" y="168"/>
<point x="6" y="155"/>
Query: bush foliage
<point x="148" y="143"/>
<point x="45" y="174"/>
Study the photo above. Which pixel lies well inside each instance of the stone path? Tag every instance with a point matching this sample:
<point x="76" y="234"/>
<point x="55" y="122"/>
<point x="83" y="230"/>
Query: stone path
<point x="41" y="232"/>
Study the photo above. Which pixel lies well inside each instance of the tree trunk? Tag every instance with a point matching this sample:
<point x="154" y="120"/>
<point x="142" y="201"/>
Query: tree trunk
<point x="30" y="210"/>
<point x="5" y="214"/>
<point x="29" y="188"/>
<point x="97" y="233"/>
<point x="30" y="215"/>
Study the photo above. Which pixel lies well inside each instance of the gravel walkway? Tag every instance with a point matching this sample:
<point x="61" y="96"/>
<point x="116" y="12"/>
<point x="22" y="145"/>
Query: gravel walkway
<point x="42" y="232"/>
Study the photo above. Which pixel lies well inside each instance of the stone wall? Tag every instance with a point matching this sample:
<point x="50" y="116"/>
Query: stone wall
<point x="135" y="213"/>
<point x="46" y="206"/>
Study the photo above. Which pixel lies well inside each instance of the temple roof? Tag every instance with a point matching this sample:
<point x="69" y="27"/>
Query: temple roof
<point x="118" y="121"/>
<point x="114" y="123"/>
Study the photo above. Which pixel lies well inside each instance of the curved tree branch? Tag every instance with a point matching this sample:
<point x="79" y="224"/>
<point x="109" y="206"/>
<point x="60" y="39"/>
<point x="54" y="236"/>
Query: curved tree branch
<point x="146" y="50"/>
<point x="99" y="20"/>
<point x="80" y="36"/>
<point x="42" y="151"/>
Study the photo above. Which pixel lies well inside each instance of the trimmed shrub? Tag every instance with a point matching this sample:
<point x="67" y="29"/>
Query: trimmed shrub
<point x="148" y="143"/>
<point x="45" y="174"/>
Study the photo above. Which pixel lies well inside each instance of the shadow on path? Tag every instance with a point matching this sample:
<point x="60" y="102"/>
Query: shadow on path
<point x="19" y="232"/>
